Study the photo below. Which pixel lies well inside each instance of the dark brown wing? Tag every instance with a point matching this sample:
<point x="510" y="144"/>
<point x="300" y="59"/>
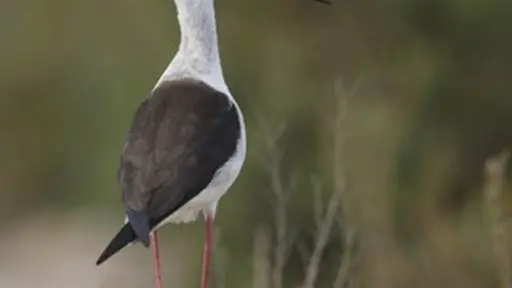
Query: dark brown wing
<point x="179" y="138"/>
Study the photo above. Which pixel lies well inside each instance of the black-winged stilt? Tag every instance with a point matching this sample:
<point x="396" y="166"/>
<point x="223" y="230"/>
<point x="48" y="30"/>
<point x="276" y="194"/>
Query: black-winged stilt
<point x="186" y="144"/>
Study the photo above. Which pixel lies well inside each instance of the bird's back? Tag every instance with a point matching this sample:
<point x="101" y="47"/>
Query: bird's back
<point x="179" y="138"/>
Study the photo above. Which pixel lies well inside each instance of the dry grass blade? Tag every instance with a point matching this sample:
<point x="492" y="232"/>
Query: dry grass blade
<point x="339" y="177"/>
<point x="342" y="275"/>
<point x="270" y="272"/>
<point x="261" y="263"/>
<point x="322" y="238"/>
<point x="273" y="159"/>
<point x="494" y="182"/>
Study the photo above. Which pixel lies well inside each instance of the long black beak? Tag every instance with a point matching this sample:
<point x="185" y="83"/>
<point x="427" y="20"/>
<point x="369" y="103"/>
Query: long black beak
<point x="324" y="2"/>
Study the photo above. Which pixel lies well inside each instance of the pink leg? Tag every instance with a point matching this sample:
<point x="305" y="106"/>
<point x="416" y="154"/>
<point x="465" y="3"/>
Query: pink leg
<point x="207" y="251"/>
<point x="156" y="259"/>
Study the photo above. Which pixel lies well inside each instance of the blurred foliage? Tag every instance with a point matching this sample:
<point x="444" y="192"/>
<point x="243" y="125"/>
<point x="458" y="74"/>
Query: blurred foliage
<point x="435" y="101"/>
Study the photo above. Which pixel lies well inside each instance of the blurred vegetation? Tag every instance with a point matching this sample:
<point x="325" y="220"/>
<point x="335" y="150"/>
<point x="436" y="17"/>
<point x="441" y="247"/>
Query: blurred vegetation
<point x="433" y="103"/>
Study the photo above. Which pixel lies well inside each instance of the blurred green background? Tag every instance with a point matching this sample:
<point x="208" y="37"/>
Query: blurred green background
<point x="434" y="101"/>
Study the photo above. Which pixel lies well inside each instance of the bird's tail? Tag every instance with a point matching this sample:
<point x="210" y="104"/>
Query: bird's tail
<point x="125" y="236"/>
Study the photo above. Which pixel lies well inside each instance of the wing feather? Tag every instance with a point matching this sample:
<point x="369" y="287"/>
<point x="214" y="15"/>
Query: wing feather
<point x="179" y="138"/>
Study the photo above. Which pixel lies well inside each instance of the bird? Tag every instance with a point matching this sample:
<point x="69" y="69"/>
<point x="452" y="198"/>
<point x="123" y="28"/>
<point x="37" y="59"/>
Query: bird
<point x="186" y="144"/>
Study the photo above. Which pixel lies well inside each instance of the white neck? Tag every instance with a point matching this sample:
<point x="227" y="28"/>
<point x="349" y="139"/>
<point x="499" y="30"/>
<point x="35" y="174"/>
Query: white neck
<point x="198" y="33"/>
<point x="198" y="53"/>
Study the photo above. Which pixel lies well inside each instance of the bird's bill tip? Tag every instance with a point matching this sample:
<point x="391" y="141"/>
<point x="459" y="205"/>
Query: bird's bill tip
<point x="328" y="2"/>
